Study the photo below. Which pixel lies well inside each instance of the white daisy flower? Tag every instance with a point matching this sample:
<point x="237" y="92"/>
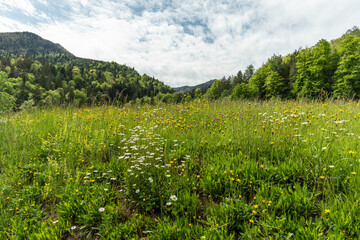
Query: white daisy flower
<point x="173" y="197"/>
<point x="101" y="209"/>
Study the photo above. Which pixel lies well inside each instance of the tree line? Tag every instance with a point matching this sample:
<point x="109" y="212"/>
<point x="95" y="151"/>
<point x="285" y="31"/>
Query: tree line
<point x="328" y="69"/>
<point x="26" y="81"/>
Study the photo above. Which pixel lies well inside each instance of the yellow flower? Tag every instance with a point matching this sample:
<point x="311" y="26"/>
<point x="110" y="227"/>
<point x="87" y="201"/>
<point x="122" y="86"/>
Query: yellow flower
<point x="252" y="221"/>
<point x="353" y="173"/>
<point x="327" y="211"/>
<point x="254" y="212"/>
<point x="322" y="177"/>
<point x="256" y="206"/>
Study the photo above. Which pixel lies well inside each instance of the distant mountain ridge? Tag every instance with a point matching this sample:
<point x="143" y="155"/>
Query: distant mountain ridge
<point x="185" y="89"/>
<point x="29" y="44"/>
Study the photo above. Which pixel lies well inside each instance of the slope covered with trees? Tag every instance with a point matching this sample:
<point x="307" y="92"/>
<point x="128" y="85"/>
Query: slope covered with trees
<point x="44" y="73"/>
<point x="328" y="69"/>
<point x="29" y="44"/>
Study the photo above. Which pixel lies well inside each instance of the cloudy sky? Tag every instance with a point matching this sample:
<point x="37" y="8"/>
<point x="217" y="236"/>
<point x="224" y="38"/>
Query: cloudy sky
<point x="182" y="42"/>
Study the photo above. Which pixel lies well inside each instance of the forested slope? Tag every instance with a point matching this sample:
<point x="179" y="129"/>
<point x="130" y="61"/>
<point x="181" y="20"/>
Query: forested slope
<point x="34" y="71"/>
<point x="328" y="69"/>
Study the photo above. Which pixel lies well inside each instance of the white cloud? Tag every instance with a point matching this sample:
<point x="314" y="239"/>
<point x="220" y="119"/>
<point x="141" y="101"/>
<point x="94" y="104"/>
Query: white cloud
<point x="23" y="5"/>
<point x="226" y="36"/>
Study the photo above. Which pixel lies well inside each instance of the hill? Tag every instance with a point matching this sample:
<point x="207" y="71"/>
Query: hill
<point x="29" y="44"/>
<point x="185" y="89"/>
<point x="329" y="69"/>
<point x="35" y="71"/>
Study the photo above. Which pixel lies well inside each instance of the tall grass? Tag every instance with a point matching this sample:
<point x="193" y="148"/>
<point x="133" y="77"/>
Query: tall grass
<point x="200" y="170"/>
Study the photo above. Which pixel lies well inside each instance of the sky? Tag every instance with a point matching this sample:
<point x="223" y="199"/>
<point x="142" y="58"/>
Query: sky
<point x="182" y="42"/>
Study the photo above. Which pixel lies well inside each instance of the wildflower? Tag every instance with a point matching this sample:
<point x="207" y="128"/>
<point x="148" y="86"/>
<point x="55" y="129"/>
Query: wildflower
<point x="101" y="209"/>
<point x="173" y="197"/>
<point x="256" y="206"/>
<point x="150" y="179"/>
<point x="327" y="211"/>
<point x="331" y="166"/>
<point x="353" y="173"/>
<point x="73" y="228"/>
<point x="254" y="212"/>
<point x="105" y="189"/>
<point x="322" y="177"/>
<point x="168" y="204"/>
<point x="252" y="221"/>
<point x="137" y="191"/>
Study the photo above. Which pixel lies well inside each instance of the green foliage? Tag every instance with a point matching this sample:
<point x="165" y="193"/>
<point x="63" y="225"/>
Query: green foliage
<point x="315" y="70"/>
<point x="7" y="102"/>
<point x="26" y="43"/>
<point x="328" y="69"/>
<point x="220" y="88"/>
<point x="347" y="75"/>
<point x="32" y="68"/>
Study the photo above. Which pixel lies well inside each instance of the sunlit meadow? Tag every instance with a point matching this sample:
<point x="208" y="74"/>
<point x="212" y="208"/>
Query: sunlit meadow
<point x="199" y="170"/>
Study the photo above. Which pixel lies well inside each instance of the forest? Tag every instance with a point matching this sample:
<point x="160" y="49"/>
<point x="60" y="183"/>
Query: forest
<point x="328" y="69"/>
<point x="49" y="75"/>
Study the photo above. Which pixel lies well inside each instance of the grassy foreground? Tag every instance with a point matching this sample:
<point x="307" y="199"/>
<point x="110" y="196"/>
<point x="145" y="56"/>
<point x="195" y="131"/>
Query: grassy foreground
<point x="223" y="170"/>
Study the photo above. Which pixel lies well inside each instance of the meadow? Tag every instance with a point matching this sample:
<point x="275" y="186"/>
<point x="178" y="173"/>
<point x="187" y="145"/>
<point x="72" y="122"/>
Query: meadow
<point x="198" y="170"/>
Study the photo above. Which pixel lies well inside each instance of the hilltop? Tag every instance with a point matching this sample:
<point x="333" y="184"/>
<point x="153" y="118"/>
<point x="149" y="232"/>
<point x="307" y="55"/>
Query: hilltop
<point x="29" y="44"/>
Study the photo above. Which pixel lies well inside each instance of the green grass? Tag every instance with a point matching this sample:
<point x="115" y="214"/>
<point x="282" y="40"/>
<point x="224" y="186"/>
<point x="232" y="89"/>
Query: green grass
<point x="218" y="170"/>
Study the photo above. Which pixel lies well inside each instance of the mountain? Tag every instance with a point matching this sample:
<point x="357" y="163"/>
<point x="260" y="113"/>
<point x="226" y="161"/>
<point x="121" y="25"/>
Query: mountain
<point x="185" y="89"/>
<point x="37" y="71"/>
<point x="29" y="44"/>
